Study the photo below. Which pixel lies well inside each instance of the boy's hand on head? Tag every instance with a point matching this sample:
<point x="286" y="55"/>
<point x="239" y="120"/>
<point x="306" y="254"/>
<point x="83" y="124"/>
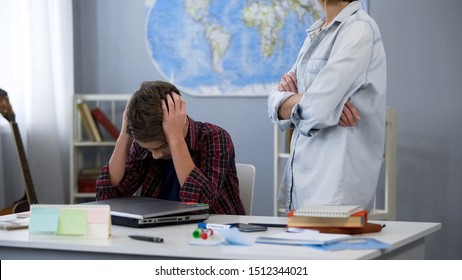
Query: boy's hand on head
<point x="174" y="117"/>
<point x="124" y="129"/>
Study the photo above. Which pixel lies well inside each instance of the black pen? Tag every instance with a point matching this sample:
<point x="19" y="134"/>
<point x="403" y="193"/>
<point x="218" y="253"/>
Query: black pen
<point x="147" y="238"/>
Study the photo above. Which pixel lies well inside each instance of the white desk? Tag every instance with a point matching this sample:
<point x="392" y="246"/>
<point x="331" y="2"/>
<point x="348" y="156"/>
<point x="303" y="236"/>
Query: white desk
<point x="407" y="240"/>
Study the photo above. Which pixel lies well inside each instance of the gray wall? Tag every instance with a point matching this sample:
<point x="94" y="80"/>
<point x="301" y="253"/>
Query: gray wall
<point x="422" y="40"/>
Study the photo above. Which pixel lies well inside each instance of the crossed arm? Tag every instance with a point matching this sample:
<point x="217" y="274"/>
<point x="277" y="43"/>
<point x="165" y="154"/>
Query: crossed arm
<point x="350" y="114"/>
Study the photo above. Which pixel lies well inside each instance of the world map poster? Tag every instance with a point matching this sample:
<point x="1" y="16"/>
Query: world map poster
<point x="227" y="48"/>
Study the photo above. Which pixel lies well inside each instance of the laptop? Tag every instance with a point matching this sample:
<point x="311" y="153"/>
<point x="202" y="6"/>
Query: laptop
<point x="139" y="212"/>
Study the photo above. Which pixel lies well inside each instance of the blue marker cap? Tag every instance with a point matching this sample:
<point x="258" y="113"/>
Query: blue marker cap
<point x="214" y="226"/>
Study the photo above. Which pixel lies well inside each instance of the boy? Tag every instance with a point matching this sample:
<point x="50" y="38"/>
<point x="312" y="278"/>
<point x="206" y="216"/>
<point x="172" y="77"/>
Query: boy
<point x="169" y="155"/>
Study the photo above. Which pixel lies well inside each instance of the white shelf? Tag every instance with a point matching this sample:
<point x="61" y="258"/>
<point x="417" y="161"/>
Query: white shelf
<point x="84" y="195"/>
<point x="85" y="153"/>
<point x="94" y="144"/>
<point x="283" y="155"/>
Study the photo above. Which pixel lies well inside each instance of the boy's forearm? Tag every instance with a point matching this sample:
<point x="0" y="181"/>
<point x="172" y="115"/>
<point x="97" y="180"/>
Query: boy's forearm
<point x="181" y="160"/>
<point x="118" y="159"/>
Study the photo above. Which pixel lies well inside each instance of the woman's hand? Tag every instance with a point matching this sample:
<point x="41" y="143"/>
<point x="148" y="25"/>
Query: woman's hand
<point x="288" y="83"/>
<point x="350" y="115"/>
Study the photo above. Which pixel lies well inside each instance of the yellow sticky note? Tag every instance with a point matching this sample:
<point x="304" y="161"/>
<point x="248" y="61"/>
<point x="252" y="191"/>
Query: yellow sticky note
<point x="72" y="222"/>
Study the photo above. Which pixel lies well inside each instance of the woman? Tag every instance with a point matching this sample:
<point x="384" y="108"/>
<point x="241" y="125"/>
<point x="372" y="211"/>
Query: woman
<point x="336" y="155"/>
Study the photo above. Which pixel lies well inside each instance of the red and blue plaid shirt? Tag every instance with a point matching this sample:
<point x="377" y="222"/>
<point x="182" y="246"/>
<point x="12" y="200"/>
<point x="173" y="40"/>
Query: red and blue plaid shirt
<point x="213" y="180"/>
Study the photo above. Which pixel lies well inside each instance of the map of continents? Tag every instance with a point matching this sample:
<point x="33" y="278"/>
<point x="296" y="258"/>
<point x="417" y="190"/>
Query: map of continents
<point x="227" y="48"/>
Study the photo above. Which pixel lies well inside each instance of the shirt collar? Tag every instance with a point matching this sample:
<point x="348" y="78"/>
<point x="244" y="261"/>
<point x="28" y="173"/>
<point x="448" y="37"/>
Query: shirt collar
<point x="314" y="29"/>
<point x="350" y="9"/>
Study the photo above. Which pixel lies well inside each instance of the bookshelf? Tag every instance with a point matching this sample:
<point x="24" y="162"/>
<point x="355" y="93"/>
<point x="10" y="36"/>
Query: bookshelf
<point x="87" y="154"/>
<point x="384" y="207"/>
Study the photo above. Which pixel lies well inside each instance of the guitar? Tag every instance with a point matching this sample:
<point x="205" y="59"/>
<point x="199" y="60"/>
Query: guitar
<point x="30" y="197"/>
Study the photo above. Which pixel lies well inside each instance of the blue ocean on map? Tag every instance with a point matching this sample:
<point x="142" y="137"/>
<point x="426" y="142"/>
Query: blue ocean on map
<point x="226" y="47"/>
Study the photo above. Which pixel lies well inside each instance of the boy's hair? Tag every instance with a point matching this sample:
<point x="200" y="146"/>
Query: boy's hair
<point x="144" y="111"/>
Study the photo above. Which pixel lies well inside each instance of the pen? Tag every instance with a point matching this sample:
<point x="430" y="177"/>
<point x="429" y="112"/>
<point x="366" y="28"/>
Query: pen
<point x="213" y="226"/>
<point x="147" y="238"/>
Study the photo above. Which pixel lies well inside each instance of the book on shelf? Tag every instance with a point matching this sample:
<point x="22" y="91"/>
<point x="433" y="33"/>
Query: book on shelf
<point x="86" y="185"/>
<point x="88" y="122"/>
<point x="356" y="220"/>
<point x="86" y="181"/>
<point x="102" y="119"/>
<point x="327" y="211"/>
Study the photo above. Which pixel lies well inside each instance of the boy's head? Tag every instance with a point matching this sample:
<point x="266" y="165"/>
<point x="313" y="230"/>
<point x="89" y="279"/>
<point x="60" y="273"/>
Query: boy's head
<point x="144" y="112"/>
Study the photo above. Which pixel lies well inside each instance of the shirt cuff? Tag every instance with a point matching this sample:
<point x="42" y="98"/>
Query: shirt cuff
<point x="275" y="101"/>
<point x="304" y="127"/>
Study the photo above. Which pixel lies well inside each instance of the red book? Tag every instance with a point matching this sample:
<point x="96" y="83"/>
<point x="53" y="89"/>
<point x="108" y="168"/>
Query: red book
<point x="368" y="228"/>
<point x="86" y="185"/>
<point x="101" y="118"/>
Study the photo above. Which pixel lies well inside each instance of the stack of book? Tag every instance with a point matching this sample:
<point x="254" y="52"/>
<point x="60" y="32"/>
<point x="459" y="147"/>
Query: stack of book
<point x="349" y="219"/>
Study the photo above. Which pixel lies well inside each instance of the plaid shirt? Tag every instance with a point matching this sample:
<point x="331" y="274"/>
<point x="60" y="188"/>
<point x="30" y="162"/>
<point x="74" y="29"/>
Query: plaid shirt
<point x="212" y="181"/>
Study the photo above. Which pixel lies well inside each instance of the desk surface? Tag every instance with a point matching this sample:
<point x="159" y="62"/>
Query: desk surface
<point x="16" y="244"/>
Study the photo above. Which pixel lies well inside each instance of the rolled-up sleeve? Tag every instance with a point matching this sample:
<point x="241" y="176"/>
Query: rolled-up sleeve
<point x="343" y="74"/>
<point x="275" y="100"/>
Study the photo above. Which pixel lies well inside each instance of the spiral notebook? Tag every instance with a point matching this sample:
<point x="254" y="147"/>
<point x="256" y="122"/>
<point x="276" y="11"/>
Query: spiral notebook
<point x="340" y="211"/>
<point x="76" y="221"/>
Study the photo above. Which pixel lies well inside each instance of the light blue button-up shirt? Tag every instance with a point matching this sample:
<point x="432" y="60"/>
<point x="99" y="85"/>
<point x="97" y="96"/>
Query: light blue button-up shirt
<point x="330" y="164"/>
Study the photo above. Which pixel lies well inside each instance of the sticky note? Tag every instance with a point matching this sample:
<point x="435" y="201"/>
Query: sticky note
<point x="44" y="220"/>
<point x="79" y="221"/>
<point x="72" y="221"/>
<point x="98" y="215"/>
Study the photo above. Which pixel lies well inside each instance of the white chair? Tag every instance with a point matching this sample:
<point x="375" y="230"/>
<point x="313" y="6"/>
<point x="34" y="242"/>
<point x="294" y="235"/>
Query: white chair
<point x="246" y="176"/>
